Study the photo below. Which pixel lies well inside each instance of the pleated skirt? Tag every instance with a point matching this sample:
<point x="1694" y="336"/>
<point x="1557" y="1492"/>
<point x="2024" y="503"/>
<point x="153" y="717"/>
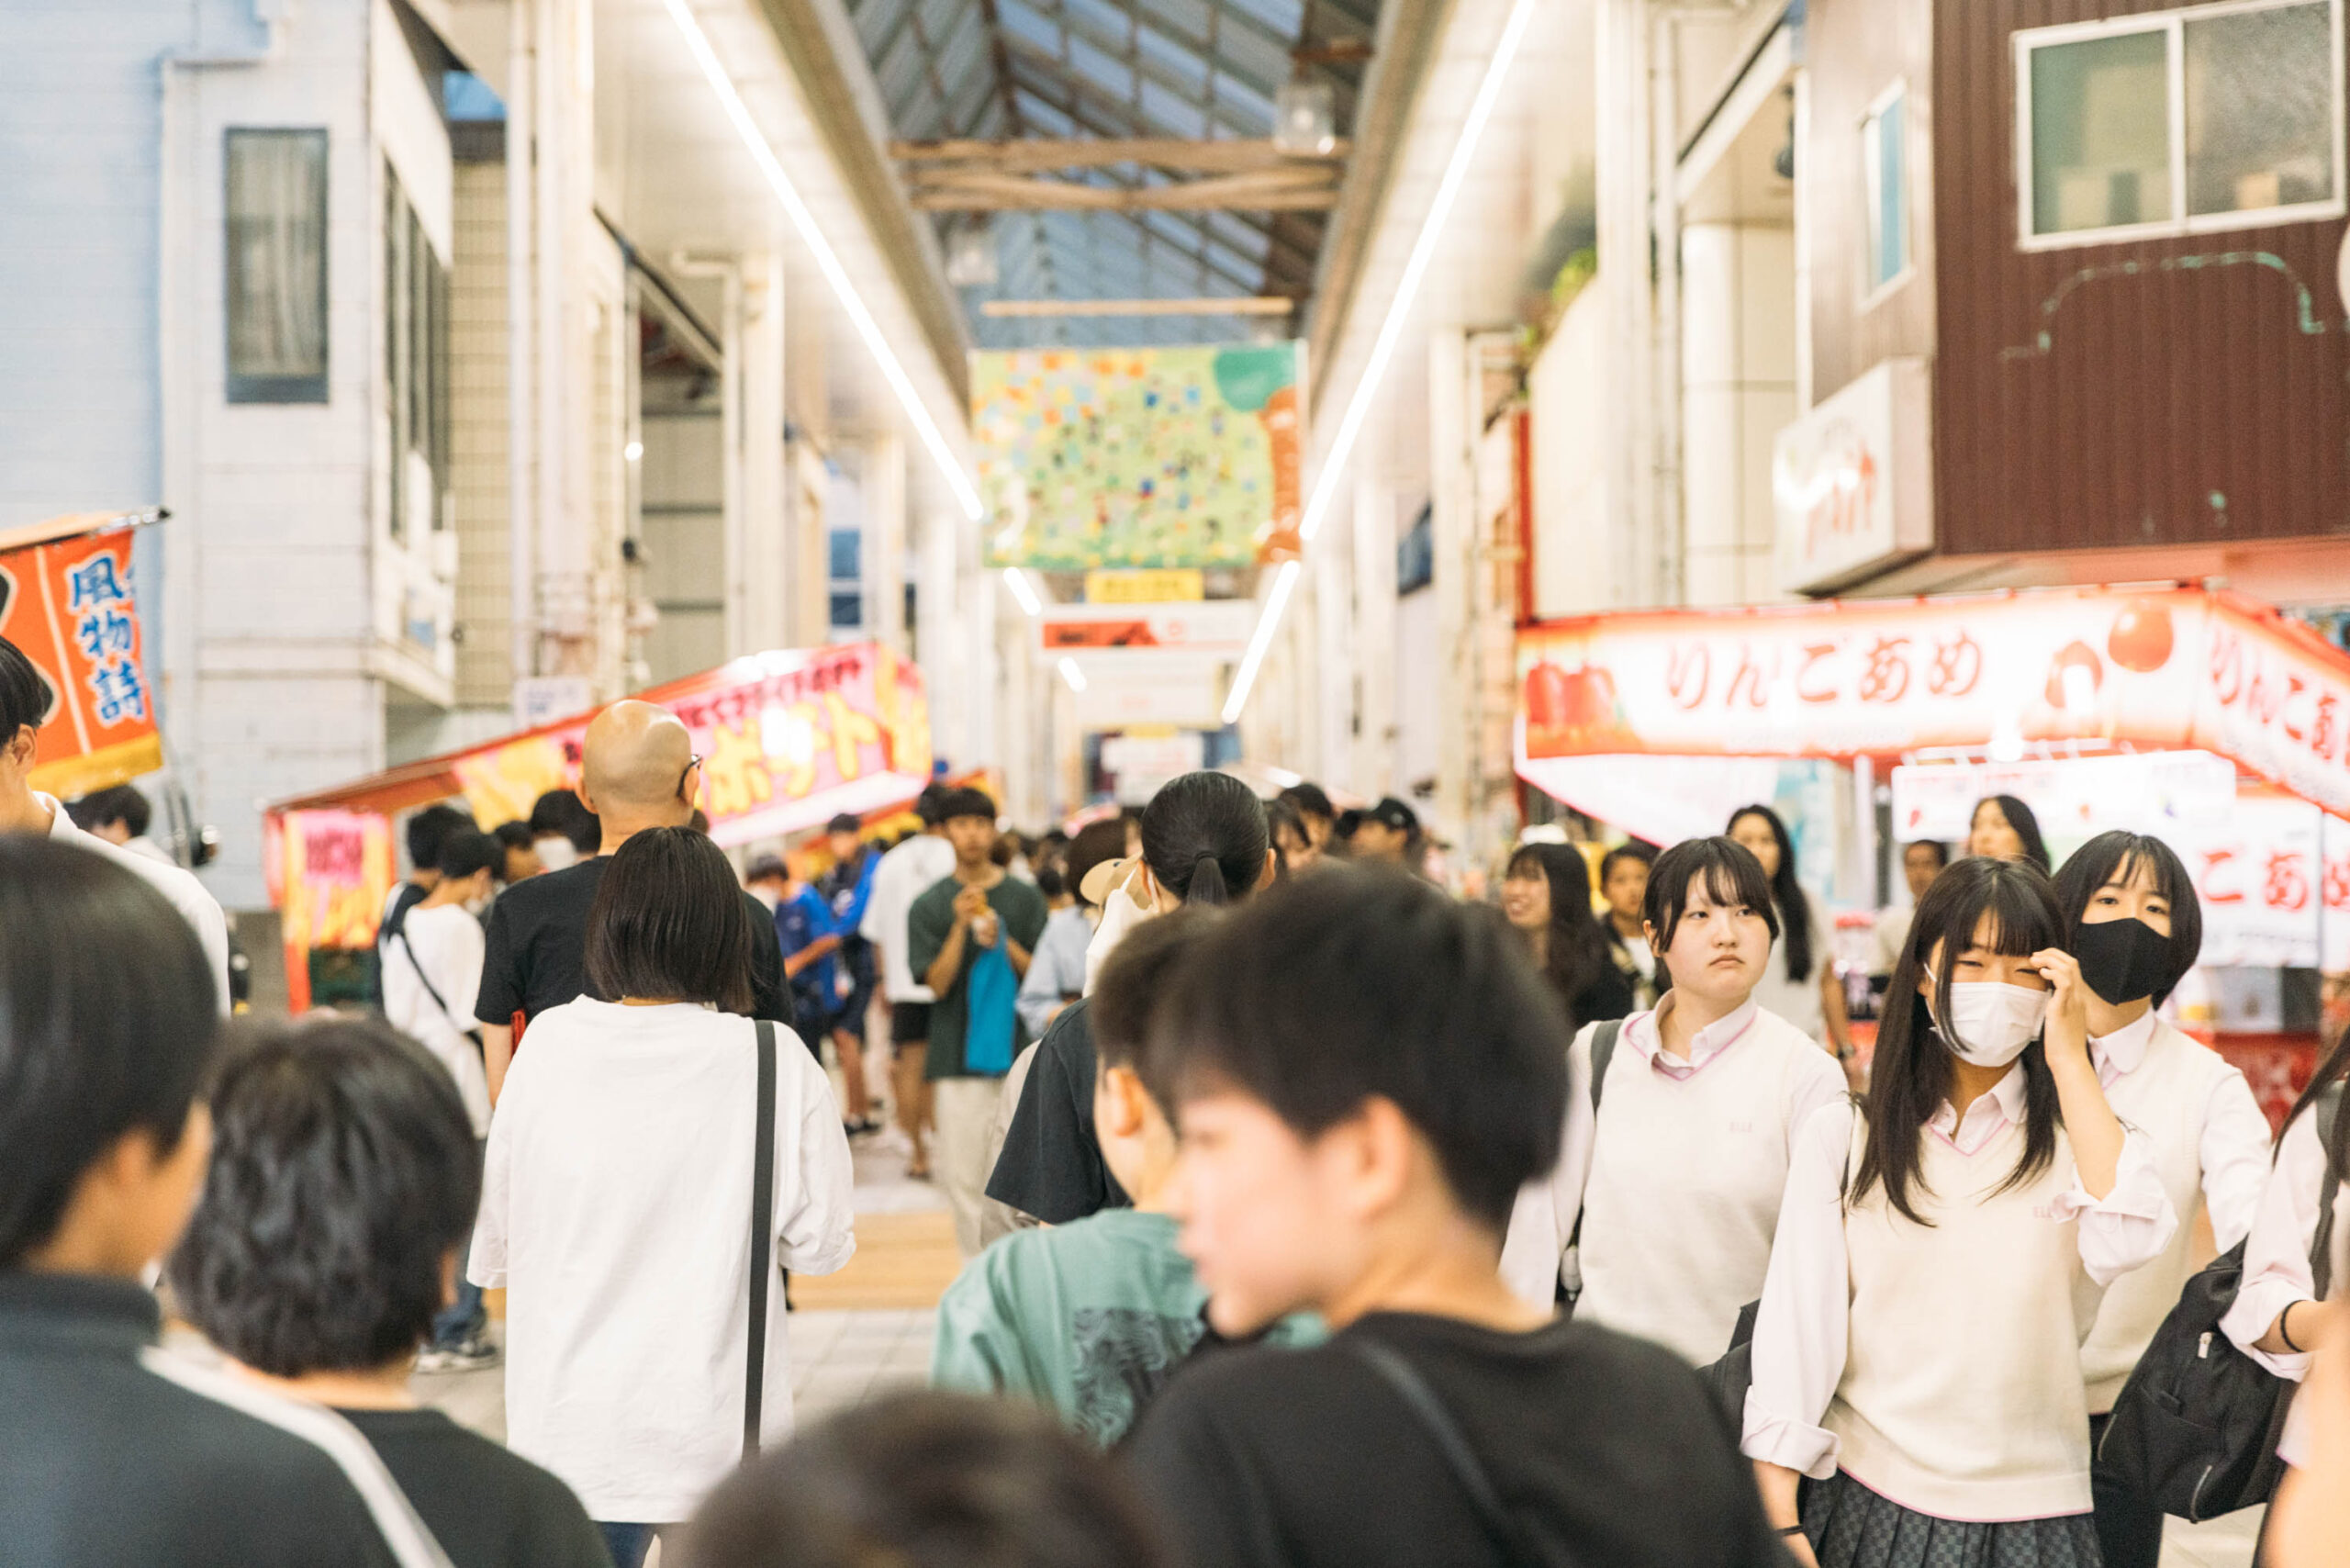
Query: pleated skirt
<point x="1852" y="1526"/>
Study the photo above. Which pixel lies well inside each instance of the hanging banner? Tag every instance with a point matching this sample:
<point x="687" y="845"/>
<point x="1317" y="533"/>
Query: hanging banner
<point x="2175" y="669"/>
<point x="1218" y="627"/>
<point x="1139" y="457"/>
<point x="70" y="605"/>
<point x="329" y="873"/>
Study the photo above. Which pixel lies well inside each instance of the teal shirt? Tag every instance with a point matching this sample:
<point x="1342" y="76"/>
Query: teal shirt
<point x="929" y="922"/>
<point x="1089" y="1318"/>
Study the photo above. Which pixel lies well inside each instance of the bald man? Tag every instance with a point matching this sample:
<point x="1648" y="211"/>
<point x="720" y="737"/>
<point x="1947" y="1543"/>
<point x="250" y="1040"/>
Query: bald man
<point x="637" y="770"/>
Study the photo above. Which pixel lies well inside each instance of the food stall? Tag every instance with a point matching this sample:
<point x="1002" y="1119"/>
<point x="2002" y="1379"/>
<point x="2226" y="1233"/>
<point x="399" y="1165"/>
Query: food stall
<point x="787" y="740"/>
<point x="2191" y="712"/>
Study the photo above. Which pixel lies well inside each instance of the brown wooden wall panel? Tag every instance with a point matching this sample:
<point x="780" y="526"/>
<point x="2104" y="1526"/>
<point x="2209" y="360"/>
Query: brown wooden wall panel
<point x="1854" y="50"/>
<point x="2172" y="391"/>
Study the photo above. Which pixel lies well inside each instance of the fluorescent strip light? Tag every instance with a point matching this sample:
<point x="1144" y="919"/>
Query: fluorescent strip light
<point x="1074" y="675"/>
<point x="1025" y="591"/>
<point x="1284" y="583"/>
<point x="1383" y="348"/>
<point x="730" y="100"/>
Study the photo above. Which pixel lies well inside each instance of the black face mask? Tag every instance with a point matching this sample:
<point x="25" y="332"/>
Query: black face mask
<point x="2122" y="959"/>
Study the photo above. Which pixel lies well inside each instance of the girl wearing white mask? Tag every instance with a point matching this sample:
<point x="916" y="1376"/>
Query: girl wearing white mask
<point x="1941" y="1255"/>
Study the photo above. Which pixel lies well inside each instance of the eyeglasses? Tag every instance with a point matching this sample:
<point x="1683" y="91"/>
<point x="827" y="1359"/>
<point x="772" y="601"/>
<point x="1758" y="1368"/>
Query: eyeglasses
<point x="691" y="763"/>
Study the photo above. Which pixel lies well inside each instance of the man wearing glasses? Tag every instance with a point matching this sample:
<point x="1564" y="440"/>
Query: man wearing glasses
<point x="638" y="771"/>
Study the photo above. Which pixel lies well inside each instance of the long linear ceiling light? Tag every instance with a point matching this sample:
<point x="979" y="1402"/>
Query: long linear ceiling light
<point x="787" y="196"/>
<point x="1383" y="348"/>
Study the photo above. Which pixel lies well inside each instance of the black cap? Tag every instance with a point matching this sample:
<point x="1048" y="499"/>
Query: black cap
<point x="1396" y="815"/>
<point x="847" y="822"/>
<point x="965" y="803"/>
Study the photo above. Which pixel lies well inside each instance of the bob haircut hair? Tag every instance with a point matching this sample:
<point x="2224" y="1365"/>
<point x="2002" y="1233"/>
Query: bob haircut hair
<point x="1205" y="838"/>
<point x="1576" y="954"/>
<point x="344" y="1175"/>
<point x="1910" y="1076"/>
<point x="1360" y="982"/>
<point x="1732" y="876"/>
<point x="2019" y="817"/>
<point x="668" y="922"/>
<point x="925" y="1479"/>
<point x="92" y="1049"/>
<point x="1793" y="905"/>
<point x="2118" y="858"/>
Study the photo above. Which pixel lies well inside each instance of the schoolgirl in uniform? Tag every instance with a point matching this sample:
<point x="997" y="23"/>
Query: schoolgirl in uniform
<point x="2133" y="925"/>
<point x="1676" y="1174"/>
<point x="1941" y="1255"/>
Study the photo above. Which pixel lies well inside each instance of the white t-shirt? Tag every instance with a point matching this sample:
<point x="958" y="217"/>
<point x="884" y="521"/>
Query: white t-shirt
<point x="178" y="886"/>
<point x="904" y="875"/>
<point x="616" y="1213"/>
<point x="445" y="942"/>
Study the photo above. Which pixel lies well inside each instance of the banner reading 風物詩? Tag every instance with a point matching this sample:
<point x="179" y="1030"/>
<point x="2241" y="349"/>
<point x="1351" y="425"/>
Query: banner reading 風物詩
<point x="70" y="605"/>
<point x="1106" y="458"/>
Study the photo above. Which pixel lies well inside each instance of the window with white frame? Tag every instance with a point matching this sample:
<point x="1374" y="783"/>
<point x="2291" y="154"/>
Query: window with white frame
<point x="1885" y="162"/>
<point x="2178" y="122"/>
<point x="275" y="196"/>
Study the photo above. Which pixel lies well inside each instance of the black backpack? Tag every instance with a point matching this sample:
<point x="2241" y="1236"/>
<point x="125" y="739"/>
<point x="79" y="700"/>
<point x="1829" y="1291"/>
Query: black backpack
<point x="2195" y="1429"/>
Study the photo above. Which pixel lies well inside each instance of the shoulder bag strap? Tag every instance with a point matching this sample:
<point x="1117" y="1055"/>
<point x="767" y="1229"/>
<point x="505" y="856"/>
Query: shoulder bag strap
<point x="755" y="1364"/>
<point x="1602" y="1051"/>
<point x="1458" y="1457"/>
<point x="418" y="964"/>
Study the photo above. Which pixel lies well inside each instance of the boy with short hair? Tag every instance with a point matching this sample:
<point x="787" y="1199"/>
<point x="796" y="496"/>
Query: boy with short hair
<point x="343" y="1184"/>
<point x="1093" y="1317"/>
<point x="1365" y="1073"/>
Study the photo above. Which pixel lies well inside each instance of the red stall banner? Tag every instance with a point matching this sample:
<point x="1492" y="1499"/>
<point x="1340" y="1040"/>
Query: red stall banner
<point x="69" y="602"/>
<point x="329" y="873"/>
<point x="2165" y="668"/>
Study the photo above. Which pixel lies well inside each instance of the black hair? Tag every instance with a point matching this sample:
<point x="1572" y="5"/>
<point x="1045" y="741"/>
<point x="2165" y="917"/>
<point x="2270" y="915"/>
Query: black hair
<point x="1203" y="837"/>
<point x="846" y="822"/>
<point x="2019" y="818"/>
<point x="1134" y="979"/>
<point x="2118" y="857"/>
<point x="563" y="811"/>
<point x="1786" y="892"/>
<point x="464" y="852"/>
<point x="91" y="1048"/>
<point x="1356" y="982"/>
<point x="1281" y="811"/>
<point x="1942" y="850"/>
<point x="1576" y="954"/>
<point x="1732" y="876"/>
<point x="767" y="868"/>
<point x="1094" y="843"/>
<point x="1630" y="849"/>
<point x="428" y="829"/>
<point x="119" y="803"/>
<point x="344" y="1175"/>
<point x="2332" y="1067"/>
<point x="26" y="697"/>
<point x="965" y="802"/>
<point x="1310" y="801"/>
<point x="930" y="804"/>
<point x="513" y="835"/>
<point x="668" y="922"/>
<point x="1343" y="825"/>
<point x="1909" y="1077"/>
<point x="1049" y="880"/>
<point x="927" y="1479"/>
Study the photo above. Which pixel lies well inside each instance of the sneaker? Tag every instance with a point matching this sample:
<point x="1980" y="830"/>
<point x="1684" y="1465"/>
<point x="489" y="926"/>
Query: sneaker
<point x="467" y="1355"/>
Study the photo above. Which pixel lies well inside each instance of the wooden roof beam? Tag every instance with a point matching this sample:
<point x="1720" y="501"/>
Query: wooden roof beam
<point x="1041" y="154"/>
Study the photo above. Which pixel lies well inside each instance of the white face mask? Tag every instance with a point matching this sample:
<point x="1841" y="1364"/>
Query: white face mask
<point x="555" y="853"/>
<point x="765" y="895"/>
<point x="476" y="905"/>
<point x="1990" y="1023"/>
<point x="1120" y="914"/>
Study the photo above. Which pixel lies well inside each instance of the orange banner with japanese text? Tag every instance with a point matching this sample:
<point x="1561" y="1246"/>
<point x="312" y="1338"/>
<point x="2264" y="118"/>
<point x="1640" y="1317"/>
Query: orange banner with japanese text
<point x="2159" y="668"/>
<point x="70" y="605"/>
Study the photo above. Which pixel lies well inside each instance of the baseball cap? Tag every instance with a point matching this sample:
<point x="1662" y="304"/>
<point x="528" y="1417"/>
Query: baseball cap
<point x="1395" y="813"/>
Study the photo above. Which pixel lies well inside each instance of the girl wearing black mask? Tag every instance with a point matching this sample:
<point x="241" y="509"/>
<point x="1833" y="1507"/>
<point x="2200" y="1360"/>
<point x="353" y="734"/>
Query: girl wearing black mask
<point x="2131" y="920"/>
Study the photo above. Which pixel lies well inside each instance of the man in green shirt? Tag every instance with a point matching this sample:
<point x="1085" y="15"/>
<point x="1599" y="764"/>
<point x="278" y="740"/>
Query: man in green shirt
<point x="1093" y="1317"/>
<point x="968" y="939"/>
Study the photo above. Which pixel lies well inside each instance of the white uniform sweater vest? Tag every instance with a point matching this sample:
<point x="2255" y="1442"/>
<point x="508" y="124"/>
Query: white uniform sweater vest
<point x="1683" y="1197"/>
<point x="2164" y="1097"/>
<point x="1962" y="1394"/>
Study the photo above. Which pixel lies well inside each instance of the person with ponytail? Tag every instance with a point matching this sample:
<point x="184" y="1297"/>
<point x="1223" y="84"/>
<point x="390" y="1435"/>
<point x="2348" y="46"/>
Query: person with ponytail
<point x="1204" y="842"/>
<point x="1801" y="984"/>
<point x="2131" y="919"/>
<point x="1941" y="1254"/>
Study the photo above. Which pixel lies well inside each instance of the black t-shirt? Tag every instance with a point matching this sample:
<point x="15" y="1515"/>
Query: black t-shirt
<point x="489" y="1509"/>
<point x="1051" y="1166"/>
<point x="1602" y="1449"/>
<point x="535" y="947"/>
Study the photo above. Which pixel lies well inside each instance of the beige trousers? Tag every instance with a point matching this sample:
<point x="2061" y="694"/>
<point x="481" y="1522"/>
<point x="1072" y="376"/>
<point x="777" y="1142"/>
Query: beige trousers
<point x="962" y="1150"/>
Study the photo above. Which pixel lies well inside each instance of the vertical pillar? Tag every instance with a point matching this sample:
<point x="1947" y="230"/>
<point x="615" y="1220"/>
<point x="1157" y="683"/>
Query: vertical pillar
<point x="759" y="462"/>
<point x="1452" y="505"/>
<point x="1624" y="180"/>
<point x="884" y="491"/>
<point x="938" y="639"/>
<point x="1374" y="579"/>
<point x="1335" y="656"/>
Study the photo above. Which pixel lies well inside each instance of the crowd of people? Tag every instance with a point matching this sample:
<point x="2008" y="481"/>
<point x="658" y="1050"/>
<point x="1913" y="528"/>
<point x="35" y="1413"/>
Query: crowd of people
<point x="1312" y="1215"/>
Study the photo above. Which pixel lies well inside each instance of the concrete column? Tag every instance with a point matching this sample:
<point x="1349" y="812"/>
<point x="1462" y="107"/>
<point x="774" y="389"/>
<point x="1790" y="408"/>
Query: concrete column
<point x="1625" y="178"/>
<point x="1452" y="496"/>
<point x="1738" y="359"/>
<point x="938" y="639"/>
<point x="757" y="591"/>
<point x="1374" y="648"/>
<point x="884" y="490"/>
<point x="1331" y="571"/>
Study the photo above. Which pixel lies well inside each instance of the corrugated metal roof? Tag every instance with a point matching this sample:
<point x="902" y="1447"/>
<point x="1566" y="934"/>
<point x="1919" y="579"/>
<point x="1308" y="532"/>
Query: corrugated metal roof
<point x="995" y="70"/>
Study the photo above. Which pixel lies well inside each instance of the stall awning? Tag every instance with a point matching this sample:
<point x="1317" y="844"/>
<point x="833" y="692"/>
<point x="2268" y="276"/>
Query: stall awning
<point x="2162" y="667"/>
<point x="788" y="739"/>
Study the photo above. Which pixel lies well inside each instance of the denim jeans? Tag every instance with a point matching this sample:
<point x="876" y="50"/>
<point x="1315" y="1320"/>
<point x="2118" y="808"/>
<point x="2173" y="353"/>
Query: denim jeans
<point x="628" y="1543"/>
<point x="464" y="1319"/>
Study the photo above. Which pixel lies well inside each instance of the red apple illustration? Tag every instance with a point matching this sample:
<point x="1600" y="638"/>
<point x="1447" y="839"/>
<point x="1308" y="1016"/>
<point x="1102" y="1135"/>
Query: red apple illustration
<point x="2141" y="638"/>
<point x="1566" y="712"/>
<point x="2075" y="656"/>
<point x="1547" y="695"/>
